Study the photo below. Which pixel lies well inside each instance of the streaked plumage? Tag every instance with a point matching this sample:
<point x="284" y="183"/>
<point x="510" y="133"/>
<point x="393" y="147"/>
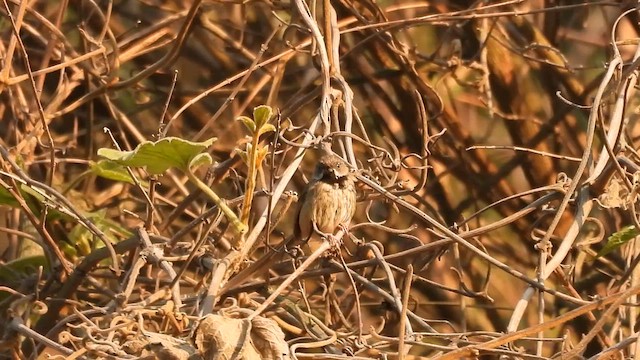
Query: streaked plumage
<point x="329" y="199"/>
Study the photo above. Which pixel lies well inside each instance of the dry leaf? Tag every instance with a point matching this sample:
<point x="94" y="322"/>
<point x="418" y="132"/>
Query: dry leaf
<point x="221" y="337"/>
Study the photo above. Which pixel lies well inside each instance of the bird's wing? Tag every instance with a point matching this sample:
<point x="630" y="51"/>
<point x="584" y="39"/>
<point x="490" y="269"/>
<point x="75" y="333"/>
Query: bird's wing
<point x="297" y="230"/>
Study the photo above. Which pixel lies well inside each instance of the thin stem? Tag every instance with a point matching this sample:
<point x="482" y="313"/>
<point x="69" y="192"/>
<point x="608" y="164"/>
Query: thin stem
<point x="238" y="226"/>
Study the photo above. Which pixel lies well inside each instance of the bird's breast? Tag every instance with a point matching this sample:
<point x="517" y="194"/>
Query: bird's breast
<point x="333" y="205"/>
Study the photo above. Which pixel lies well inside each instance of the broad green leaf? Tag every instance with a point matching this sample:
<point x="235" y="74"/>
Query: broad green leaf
<point x="199" y="160"/>
<point x="618" y="239"/>
<point x="6" y="198"/>
<point x="29" y="190"/>
<point x="261" y="115"/>
<point x="111" y="170"/>
<point x="37" y="198"/>
<point x="16" y="269"/>
<point x="112" y="229"/>
<point x="69" y="251"/>
<point x="248" y="123"/>
<point x="243" y="155"/>
<point x="33" y="199"/>
<point x="266" y="128"/>
<point x="158" y="156"/>
<point x="83" y="241"/>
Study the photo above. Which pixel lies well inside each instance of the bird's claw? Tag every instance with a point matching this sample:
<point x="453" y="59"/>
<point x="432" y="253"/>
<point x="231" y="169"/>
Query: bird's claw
<point x="335" y="246"/>
<point x="334" y="241"/>
<point x="322" y="234"/>
<point x="344" y="228"/>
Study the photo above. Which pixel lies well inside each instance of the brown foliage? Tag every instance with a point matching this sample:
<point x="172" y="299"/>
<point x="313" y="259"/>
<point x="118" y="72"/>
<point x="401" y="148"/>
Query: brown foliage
<point x="494" y="144"/>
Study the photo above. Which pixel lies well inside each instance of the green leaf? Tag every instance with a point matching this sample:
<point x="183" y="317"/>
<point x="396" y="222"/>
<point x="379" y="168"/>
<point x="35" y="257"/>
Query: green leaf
<point x="32" y="198"/>
<point x="248" y="123"/>
<point x="6" y="198"/>
<point x="113" y="230"/>
<point x="261" y="115"/>
<point x="69" y="251"/>
<point x="158" y="156"/>
<point x="81" y="239"/>
<point x="22" y="267"/>
<point x="266" y="128"/>
<point x="25" y="189"/>
<point x="199" y="160"/>
<point x="111" y="170"/>
<point x="243" y="155"/>
<point x="618" y="239"/>
<point x="84" y="241"/>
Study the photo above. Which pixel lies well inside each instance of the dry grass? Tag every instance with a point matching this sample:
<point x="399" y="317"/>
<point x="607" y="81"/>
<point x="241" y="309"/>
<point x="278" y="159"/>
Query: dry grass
<point x="494" y="142"/>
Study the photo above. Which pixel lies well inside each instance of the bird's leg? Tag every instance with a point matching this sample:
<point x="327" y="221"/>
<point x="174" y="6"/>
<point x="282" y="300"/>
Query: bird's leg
<point x="332" y="239"/>
<point x="324" y="235"/>
<point x="318" y="231"/>
<point x="337" y="242"/>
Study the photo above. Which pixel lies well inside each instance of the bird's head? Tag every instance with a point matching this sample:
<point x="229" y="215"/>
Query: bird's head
<point x="331" y="168"/>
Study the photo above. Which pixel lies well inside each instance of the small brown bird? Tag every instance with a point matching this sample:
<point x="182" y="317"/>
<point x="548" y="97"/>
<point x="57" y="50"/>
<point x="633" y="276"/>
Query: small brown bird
<point x="327" y="202"/>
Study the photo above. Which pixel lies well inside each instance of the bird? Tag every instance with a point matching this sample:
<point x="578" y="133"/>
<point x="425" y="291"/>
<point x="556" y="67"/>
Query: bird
<point x="327" y="202"/>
